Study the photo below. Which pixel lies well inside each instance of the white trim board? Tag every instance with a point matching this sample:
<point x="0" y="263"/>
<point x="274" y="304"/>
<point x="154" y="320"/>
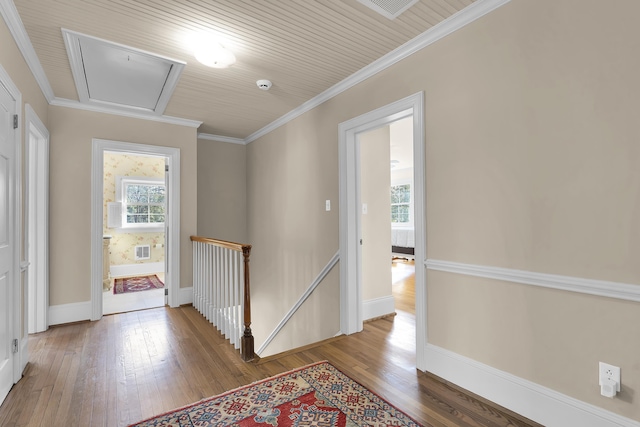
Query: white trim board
<point x="124" y="270"/>
<point x="623" y="291"/>
<point x="186" y="296"/>
<point x="538" y="403"/>
<point x="378" y="307"/>
<point x="220" y="138"/>
<point x="327" y="268"/>
<point x="68" y="103"/>
<point x="68" y="313"/>
<point x="37" y="208"/>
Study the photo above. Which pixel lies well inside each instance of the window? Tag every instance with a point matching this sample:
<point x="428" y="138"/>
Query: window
<point x="143" y="202"/>
<point x="401" y="204"/>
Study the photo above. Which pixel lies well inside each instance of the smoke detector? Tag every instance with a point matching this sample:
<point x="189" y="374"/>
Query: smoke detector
<point x="264" y="84"/>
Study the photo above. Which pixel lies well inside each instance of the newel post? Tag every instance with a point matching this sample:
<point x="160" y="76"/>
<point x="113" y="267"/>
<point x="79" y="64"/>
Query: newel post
<point x="247" y="339"/>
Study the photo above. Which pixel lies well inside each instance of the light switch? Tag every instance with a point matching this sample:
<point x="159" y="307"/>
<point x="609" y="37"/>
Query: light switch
<point x="327" y="205"/>
<point x="365" y="209"/>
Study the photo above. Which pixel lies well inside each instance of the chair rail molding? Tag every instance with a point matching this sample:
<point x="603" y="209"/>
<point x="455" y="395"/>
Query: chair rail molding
<point x="603" y="288"/>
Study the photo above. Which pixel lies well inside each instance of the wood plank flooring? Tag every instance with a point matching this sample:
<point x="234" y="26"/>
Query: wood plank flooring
<point x="130" y="366"/>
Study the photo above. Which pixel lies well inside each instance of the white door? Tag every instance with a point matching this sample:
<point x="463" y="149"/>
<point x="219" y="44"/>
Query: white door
<point x="7" y="243"/>
<point x="167" y="252"/>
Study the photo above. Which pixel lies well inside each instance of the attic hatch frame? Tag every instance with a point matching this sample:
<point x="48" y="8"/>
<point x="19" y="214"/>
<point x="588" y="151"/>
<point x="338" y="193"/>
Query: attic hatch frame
<point x="73" y="41"/>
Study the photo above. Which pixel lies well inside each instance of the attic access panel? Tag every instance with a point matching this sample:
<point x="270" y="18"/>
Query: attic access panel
<point x="119" y="76"/>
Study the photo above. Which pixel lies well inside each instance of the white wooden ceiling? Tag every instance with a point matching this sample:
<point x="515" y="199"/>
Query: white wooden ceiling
<point x="303" y="46"/>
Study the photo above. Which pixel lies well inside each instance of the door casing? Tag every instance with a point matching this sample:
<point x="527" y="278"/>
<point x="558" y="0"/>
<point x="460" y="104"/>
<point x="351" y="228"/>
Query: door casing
<point x="172" y="237"/>
<point x="37" y="218"/>
<point x="350" y="287"/>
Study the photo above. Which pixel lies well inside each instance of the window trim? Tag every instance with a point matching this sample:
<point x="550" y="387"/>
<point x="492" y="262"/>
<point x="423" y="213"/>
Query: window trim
<point x="121" y="181"/>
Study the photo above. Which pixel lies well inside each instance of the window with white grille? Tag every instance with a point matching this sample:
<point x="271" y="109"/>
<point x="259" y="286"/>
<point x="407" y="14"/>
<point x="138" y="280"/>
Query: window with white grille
<point x="142" y="202"/>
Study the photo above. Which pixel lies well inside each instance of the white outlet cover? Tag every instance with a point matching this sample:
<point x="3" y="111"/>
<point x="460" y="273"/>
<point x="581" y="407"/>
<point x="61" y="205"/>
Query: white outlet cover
<point x="609" y="371"/>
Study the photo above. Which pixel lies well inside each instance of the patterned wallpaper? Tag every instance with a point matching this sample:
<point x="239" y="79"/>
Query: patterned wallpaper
<point x="123" y="243"/>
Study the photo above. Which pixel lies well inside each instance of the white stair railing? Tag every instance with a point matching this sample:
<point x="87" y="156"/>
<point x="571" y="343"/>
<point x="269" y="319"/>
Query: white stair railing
<point x="221" y="291"/>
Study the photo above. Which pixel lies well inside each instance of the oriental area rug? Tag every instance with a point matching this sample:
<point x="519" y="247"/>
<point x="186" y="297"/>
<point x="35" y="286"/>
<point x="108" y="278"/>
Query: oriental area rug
<point x="136" y="284"/>
<point x="315" y="395"/>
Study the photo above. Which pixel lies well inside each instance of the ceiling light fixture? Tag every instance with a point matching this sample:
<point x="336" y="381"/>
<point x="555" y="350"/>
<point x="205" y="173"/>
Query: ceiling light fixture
<point x="213" y="54"/>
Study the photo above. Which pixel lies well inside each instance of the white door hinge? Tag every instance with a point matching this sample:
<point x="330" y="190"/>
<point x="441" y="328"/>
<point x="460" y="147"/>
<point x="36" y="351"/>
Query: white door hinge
<point x="14" y="346"/>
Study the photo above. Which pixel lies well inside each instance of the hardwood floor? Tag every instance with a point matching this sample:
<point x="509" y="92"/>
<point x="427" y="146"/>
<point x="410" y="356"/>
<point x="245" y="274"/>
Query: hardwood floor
<point x="130" y="366"/>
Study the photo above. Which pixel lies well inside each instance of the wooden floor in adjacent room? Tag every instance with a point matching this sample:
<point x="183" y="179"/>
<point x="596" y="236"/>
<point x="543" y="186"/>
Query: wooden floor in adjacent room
<point x="130" y="366"/>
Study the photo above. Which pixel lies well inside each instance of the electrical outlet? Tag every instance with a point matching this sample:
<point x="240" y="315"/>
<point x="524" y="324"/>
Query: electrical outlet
<point x="609" y="372"/>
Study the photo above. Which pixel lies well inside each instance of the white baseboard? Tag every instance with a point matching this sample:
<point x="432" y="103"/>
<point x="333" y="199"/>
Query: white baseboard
<point x="378" y="307"/>
<point x="538" y="403"/>
<point x="68" y="313"/>
<point x="185" y="296"/>
<point x="136" y="269"/>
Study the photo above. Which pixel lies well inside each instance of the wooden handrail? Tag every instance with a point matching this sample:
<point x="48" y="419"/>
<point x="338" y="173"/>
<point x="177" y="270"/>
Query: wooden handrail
<point x="247" y="341"/>
<point x="240" y="247"/>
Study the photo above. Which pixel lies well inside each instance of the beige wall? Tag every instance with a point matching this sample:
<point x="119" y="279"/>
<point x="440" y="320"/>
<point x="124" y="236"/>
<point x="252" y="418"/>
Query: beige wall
<point x="531" y="163"/>
<point x="291" y="172"/>
<point x="375" y="182"/>
<point x="222" y="191"/>
<point x="70" y="186"/>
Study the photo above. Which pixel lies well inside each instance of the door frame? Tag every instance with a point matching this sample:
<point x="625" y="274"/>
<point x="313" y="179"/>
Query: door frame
<point x="172" y="237"/>
<point x="350" y="249"/>
<point x="37" y="217"/>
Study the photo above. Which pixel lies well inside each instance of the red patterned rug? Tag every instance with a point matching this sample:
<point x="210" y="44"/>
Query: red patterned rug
<point x="315" y="395"/>
<point x="136" y="284"/>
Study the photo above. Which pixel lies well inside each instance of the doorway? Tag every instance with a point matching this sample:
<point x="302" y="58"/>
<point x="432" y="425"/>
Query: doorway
<point x="351" y="310"/>
<point x="387" y="216"/>
<point x="171" y="157"/>
<point x="134" y="196"/>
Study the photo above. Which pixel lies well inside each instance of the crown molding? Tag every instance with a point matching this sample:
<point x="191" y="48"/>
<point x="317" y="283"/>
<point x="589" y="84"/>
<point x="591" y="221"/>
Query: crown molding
<point x="62" y="102"/>
<point x="19" y="33"/>
<point x="602" y="288"/>
<point x="455" y="22"/>
<point x="220" y="138"/>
